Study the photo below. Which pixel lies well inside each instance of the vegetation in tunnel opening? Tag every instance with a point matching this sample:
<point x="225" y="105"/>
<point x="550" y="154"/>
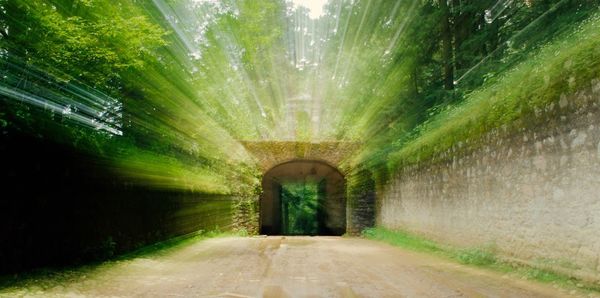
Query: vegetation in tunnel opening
<point x="46" y="278"/>
<point x="484" y="256"/>
<point x="299" y="205"/>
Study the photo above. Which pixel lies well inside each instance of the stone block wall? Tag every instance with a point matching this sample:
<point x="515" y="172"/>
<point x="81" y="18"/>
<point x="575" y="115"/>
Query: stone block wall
<point x="361" y="202"/>
<point x="530" y="189"/>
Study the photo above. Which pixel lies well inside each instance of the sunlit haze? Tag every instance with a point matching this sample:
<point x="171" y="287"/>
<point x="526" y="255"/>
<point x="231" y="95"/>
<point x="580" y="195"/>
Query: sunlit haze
<point x="315" y="6"/>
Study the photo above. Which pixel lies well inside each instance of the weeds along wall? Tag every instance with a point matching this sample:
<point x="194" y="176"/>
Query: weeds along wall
<point x="61" y="207"/>
<point x="528" y="189"/>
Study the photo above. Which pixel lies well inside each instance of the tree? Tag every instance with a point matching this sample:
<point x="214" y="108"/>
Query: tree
<point x="447" y="49"/>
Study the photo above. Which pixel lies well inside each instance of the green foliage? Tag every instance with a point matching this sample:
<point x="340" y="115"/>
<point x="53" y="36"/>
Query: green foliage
<point x="402" y="239"/>
<point x="299" y="208"/>
<point x="476" y="256"/>
<point x="246" y="214"/>
<point x="535" y="83"/>
<point x="392" y="100"/>
<point x="107" y="72"/>
<point x="93" y="50"/>
<point x="542" y="275"/>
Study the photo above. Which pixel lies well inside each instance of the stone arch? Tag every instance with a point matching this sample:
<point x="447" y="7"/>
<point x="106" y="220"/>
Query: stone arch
<point x="269" y="154"/>
<point x="331" y="215"/>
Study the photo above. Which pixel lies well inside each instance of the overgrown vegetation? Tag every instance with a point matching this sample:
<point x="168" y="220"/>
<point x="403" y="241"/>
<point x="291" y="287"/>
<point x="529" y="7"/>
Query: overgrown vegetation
<point x="484" y="257"/>
<point x="110" y="78"/>
<point x="403" y="239"/>
<point x="166" y="90"/>
<point x="500" y="54"/>
<point x="558" y="69"/>
<point x="300" y="202"/>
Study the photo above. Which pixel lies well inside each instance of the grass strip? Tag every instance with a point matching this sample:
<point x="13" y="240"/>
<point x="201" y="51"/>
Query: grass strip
<point x="482" y="257"/>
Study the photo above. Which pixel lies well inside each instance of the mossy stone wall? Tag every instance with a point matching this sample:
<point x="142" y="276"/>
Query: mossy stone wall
<point x="529" y="188"/>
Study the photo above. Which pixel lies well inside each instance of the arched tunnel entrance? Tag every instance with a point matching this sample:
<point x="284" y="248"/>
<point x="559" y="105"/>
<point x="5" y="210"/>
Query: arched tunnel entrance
<point x="303" y="197"/>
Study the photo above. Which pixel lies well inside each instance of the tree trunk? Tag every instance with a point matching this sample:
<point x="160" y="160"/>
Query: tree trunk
<point x="447" y="47"/>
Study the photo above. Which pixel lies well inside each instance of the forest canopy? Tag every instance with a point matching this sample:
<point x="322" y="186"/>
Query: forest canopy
<point x="168" y="90"/>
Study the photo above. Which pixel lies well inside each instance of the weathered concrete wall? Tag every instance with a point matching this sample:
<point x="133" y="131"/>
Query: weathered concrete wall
<point x="534" y="193"/>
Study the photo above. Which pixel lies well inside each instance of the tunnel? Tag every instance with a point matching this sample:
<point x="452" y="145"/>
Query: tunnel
<point x="299" y="148"/>
<point x="320" y="208"/>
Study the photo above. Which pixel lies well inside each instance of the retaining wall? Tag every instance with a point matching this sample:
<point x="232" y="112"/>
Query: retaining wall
<point x="530" y="189"/>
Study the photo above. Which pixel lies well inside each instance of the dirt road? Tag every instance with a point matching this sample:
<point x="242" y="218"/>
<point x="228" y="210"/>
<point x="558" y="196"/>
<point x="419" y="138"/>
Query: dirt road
<point x="290" y="267"/>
